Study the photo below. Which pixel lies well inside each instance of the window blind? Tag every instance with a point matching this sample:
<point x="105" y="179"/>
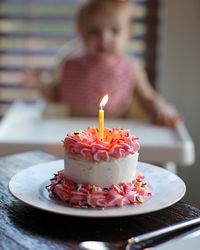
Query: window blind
<point x="33" y="31"/>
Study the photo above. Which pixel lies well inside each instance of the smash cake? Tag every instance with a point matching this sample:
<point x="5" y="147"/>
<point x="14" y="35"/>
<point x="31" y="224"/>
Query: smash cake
<point x="100" y="172"/>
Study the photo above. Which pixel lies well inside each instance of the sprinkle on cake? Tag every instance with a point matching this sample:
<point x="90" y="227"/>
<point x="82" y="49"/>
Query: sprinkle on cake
<point x="86" y="144"/>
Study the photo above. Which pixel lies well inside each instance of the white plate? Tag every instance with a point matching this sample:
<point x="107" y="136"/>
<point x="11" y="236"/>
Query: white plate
<point x="29" y="186"/>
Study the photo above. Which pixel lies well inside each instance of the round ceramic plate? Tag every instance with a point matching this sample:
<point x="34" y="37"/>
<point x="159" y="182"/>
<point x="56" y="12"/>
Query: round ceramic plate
<point x="29" y="186"/>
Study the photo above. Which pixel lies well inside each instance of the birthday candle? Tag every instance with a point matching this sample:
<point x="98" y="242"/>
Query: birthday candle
<point x="101" y="116"/>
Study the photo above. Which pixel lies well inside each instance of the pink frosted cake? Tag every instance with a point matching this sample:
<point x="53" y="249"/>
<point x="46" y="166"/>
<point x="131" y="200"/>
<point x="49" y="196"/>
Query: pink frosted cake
<point x="100" y="173"/>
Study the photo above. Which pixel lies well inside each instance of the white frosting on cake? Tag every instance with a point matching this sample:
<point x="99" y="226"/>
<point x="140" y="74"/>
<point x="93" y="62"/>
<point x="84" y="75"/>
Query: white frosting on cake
<point x="103" y="173"/>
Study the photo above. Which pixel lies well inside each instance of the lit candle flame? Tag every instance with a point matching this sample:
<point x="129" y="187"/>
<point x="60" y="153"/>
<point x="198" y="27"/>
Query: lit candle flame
<point x="104" y="101"/>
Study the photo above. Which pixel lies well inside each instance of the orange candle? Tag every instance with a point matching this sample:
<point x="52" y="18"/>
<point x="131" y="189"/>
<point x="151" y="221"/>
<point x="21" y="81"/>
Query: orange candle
<point x="101" y="116"/>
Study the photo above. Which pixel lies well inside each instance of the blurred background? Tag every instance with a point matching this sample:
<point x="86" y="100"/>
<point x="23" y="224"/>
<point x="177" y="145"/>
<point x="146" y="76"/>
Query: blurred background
<point x="33" y="33"/>
<point x="178" y="75"/>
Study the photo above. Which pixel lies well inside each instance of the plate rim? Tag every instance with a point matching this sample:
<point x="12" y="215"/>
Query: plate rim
<point x="70" y="211"/>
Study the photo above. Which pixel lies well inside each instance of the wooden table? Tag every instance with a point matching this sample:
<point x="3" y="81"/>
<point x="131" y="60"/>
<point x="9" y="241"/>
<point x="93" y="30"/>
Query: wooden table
<point x="24" y="227"/>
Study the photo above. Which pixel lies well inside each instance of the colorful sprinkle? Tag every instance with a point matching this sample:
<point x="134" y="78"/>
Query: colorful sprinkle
<point x="86" y="195"/>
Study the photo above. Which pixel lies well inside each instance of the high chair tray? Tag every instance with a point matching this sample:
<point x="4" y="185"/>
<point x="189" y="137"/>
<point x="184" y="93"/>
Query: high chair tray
<point x="25" y="128"/>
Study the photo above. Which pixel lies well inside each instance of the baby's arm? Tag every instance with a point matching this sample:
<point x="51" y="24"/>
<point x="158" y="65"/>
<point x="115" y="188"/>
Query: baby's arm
<point x="160" y="111"/>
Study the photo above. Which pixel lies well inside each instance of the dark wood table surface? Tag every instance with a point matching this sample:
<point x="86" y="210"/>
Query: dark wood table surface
<point x="25" y="227"/>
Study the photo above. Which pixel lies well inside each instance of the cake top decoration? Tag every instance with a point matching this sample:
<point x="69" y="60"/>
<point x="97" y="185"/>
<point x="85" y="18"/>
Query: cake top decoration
<point x="117" y="143"/>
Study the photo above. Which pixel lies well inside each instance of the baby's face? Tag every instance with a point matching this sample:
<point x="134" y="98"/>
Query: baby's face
<point x="105" y="35"/>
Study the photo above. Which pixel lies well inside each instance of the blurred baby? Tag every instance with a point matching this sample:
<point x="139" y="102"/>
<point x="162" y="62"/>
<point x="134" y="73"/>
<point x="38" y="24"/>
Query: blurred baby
<point x="103" y="67"/>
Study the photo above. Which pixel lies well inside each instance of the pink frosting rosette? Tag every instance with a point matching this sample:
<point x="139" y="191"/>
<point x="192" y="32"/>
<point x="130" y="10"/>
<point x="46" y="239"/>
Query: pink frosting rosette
<point x="78" y="195"/>
<point x="86" y="144"/>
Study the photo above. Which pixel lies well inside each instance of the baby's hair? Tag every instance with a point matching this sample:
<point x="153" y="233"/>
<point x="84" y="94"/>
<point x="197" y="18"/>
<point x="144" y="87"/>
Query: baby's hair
<point x="91" y="6"/>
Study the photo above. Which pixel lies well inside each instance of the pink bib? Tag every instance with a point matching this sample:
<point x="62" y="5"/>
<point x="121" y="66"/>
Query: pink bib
<point x="84" y="81"/>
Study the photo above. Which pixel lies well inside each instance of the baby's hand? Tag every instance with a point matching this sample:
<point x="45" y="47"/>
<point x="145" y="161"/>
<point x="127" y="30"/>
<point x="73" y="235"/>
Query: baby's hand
<point x="166" y="119"/>
<point x="31" y="78"/>
<point x="164" y="114"/>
